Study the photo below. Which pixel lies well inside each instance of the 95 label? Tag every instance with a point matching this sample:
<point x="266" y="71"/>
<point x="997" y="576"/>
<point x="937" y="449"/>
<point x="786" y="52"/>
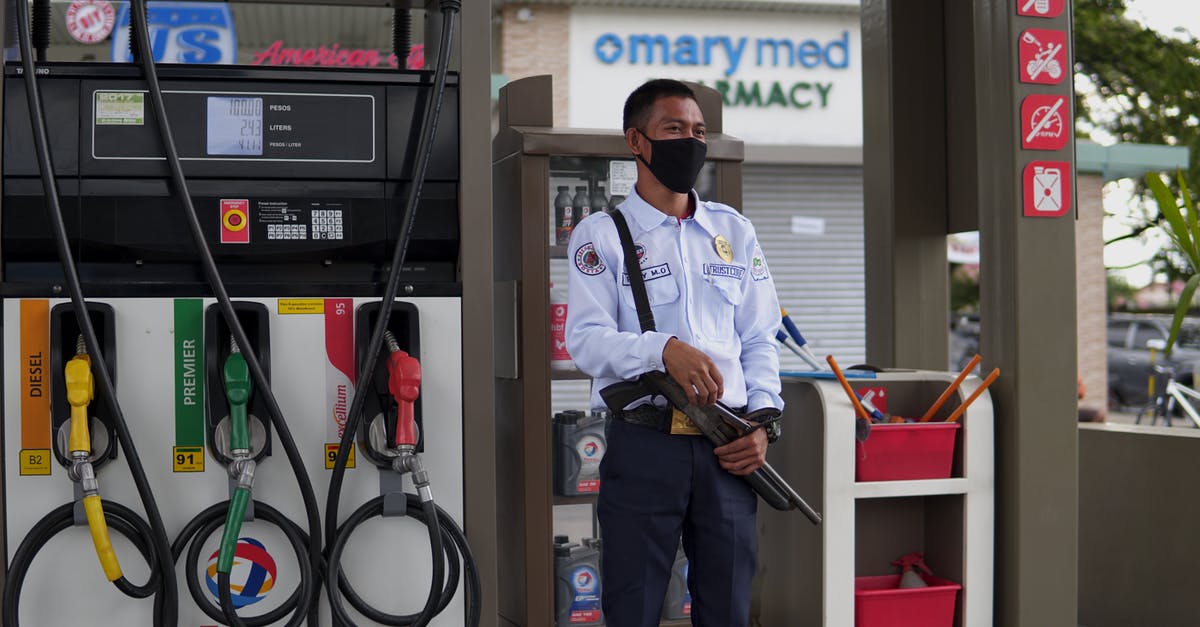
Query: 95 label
<point x="187" y="458"/>
<point x="331" y="452"/>
<point x="35" y="462"/>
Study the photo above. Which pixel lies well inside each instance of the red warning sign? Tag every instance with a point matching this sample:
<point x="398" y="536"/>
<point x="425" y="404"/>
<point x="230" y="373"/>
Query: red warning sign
<point x="1043" y="56"/>
<point x="1047" y="189"/>
<point x="235" y="221"/>
<point x="1040" y="8"/>
<point x="1045" y="122"/>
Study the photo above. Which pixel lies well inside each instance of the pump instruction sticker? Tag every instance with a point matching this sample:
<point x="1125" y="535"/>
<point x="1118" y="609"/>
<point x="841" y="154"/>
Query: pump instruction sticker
<point x="35" y="456"/>
<point x="120" y="108"/>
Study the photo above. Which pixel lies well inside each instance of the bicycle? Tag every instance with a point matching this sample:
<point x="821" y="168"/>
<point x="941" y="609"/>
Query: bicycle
<point x="1174" y="395"/>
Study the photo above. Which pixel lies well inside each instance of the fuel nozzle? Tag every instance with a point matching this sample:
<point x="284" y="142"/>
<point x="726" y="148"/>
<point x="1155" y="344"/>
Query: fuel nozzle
<point x="404" y="384"/>
<point x="81" y="389"/>
<point x="237" y="393"/>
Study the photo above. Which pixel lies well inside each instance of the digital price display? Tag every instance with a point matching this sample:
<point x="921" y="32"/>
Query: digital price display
<point x="235" y="126"/>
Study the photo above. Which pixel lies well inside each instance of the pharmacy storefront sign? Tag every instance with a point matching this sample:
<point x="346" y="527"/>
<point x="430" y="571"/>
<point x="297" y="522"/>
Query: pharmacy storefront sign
<point x="785" y="78"/>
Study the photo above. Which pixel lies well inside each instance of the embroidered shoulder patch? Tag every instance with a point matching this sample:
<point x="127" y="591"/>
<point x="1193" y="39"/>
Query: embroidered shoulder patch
<point x="588" y="260"/>
<point x="758" y="266"/>
<point x="721" y="270"/>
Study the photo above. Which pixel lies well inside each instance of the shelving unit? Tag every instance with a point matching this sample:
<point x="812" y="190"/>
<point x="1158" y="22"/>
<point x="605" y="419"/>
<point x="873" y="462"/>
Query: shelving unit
<point x="530" y="159"/>
<point x="867" y="525"/>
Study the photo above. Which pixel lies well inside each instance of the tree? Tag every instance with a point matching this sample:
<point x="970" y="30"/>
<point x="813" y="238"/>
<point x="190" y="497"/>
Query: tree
<point x="1146" y="89"/>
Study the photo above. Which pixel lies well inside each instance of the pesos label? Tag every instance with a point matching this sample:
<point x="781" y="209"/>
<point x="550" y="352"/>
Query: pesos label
<point x="35" y="461"/>
<point x="187" y="458"/>
<point x="331" y="452"/>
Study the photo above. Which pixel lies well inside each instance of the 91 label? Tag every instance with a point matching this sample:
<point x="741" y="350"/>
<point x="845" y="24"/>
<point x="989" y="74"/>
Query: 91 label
<point x="35" y="461"/>
<point x="187" y="458"/>
<point x="331" y="452"/>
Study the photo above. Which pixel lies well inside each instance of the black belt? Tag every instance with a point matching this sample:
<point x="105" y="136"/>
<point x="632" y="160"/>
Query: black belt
<point x="650" y="416"/>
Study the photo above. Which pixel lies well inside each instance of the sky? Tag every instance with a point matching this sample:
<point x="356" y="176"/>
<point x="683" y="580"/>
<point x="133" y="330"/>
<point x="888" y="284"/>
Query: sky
<point x="1165" y="16"/>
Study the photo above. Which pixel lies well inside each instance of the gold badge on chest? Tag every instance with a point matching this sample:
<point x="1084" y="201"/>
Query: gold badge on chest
<point x="724" y="249"/>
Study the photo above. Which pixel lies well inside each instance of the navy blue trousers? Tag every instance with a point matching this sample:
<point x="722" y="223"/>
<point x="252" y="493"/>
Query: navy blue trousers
<point x="653" y="488"/>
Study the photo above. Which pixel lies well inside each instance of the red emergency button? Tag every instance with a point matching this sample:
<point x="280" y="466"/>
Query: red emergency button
<point x="235" y="217"/>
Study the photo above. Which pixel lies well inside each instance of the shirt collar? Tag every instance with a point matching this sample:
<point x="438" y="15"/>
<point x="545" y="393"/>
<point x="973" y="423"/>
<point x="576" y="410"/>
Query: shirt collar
<point x="647" y="217"/>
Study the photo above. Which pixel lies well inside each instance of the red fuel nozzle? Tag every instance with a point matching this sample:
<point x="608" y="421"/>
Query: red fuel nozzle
<point x="404" y="383"/>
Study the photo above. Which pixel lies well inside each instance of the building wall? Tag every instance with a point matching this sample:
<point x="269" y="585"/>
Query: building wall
<point x="536" y="40"/>
<point x="1091" y="291"/>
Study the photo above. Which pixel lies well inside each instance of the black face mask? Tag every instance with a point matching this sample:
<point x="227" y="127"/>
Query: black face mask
<point x="677" y="162"/>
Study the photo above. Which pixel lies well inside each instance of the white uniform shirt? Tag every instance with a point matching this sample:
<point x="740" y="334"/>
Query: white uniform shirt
<point x="727" y="309"/>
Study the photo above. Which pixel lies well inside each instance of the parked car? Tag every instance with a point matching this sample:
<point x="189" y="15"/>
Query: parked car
<point x="1129" y="355"/>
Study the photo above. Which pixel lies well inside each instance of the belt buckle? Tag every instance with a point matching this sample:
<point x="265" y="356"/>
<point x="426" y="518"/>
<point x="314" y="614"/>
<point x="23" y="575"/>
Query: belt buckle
<point x="681" y="424"/>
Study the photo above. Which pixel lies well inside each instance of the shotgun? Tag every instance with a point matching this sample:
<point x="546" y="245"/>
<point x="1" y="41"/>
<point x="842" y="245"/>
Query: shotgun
<point x="720" y="424"/>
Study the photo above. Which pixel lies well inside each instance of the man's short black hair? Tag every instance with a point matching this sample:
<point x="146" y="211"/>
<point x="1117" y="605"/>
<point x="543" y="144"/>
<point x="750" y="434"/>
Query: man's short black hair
<point x="639" y="104"/>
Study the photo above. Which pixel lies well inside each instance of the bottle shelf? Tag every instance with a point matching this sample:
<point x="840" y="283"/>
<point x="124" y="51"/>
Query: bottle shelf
<point x="583" y="499"/>
<point x="557" y="252"/>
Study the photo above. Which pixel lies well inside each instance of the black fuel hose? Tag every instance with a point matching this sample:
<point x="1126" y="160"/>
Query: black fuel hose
<point x="118" y="517"/>
<point x="445" y="536"/>
<point x="308" y="601"/>
<point x="167" y="600"/>
<point x="335" y="535"/>
<point x="192" y="539"/>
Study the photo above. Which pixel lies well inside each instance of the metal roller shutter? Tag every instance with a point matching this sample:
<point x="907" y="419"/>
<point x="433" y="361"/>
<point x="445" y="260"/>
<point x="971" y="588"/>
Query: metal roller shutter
<point x="819" y="278"/>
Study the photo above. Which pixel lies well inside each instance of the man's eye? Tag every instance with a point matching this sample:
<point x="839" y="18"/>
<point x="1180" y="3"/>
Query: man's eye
<point x="700" y="132"/>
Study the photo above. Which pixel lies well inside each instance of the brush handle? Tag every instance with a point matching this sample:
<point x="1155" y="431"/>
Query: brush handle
<point x="950" y="390"/>
<point x="974" y="395"/>
<point x="862" y="413"/>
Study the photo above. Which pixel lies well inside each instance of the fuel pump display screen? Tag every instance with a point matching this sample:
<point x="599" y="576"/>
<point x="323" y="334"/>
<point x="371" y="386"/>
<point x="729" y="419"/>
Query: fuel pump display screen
<point x="235" y="126"/>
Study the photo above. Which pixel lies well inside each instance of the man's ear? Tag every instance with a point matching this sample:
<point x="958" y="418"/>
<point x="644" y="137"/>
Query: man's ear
<point x="633" y="141"/>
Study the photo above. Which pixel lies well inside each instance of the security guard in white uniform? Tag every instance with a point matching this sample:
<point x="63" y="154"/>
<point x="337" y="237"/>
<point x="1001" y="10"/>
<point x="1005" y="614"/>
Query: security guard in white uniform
<point x="716" y="314"/>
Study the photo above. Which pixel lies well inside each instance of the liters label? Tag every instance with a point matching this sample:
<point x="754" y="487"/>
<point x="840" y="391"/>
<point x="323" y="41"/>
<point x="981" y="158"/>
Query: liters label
<point x="35" y="462"/>
<point x="301" y="306"/>
<point x="331" y="453"/>
<point x="187" y="458"/>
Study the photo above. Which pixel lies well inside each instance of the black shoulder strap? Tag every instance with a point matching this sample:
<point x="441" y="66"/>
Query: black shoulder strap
<point x="633" y="268"/>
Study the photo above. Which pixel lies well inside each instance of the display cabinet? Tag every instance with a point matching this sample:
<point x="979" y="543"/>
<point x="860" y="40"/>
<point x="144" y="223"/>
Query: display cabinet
<point x="542" y="177"/>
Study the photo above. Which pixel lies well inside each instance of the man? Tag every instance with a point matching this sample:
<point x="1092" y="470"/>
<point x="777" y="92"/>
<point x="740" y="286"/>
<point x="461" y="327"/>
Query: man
<point x="716" y="314"/>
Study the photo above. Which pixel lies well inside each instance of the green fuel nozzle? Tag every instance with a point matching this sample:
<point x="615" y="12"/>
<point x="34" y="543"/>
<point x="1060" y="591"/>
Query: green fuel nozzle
<point x="237" y="393"/>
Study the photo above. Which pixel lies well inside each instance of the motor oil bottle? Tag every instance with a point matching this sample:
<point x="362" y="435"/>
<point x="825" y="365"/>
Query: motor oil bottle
<point x="599" y="199"/>
<point x="564" y="216"/>
<point x="576" y="585"/>
<point x="678" y="603"/>
<point x="582" y="202"/>
<point x="579" y="446"/>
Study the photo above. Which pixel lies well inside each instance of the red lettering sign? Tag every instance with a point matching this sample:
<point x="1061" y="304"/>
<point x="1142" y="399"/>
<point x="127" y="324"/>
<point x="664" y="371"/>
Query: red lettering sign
<point x="336" y="56"/>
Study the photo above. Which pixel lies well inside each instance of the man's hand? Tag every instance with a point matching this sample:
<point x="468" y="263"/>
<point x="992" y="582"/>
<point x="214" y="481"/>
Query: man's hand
<point x="695" y="372"/>
<point x="745" y="454"/>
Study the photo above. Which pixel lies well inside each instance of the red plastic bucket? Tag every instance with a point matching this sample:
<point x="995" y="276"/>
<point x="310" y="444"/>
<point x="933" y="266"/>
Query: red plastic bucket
<point x="879" y="603"/>
<point x="906" y="451"/>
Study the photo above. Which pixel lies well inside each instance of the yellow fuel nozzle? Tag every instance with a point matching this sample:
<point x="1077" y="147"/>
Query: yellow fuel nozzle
<point x="80" y="392"/>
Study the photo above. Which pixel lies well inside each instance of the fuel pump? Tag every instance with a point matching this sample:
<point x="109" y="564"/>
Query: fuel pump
<point x="149" y="538"/>
<point x="403" y="376"/>
<point x="122" y="190"/>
